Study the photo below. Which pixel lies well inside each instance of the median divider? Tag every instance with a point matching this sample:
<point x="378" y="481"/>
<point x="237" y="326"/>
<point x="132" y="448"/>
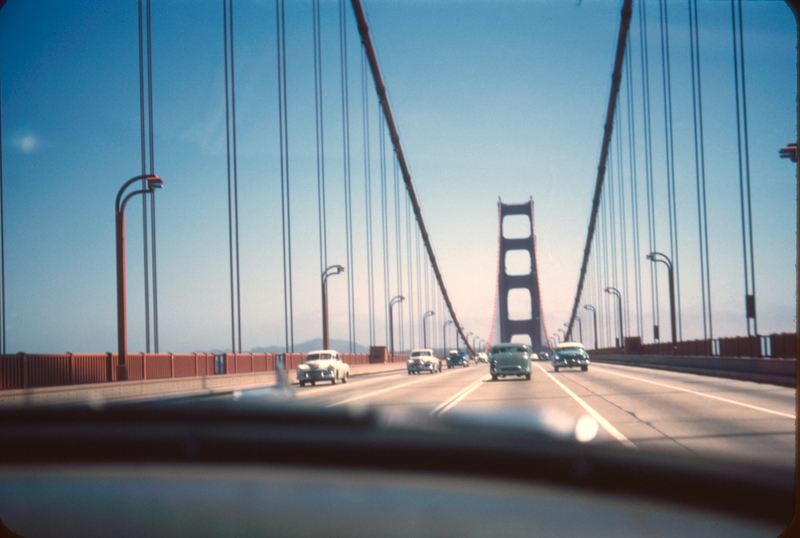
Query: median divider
<point x="774" y="371"/>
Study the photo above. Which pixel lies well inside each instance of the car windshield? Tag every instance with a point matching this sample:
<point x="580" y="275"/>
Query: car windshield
<point x="388" y="179"/>
<point x="318" y="357"/>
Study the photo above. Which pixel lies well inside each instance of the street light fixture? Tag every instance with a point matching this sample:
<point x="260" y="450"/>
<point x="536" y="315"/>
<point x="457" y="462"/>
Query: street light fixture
<point x="153" y="182"/>
<point x="591" y="309"/>
<point x="615" y="291"/>
<point x="666" y="261"/>
<point x="444" y="336"/>
<point x="330" y="271"/>
<point x="428" y="314"/>
<point x="395" y="299"/>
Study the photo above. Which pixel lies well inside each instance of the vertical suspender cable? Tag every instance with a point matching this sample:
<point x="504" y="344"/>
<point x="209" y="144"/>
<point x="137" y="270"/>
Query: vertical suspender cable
<point x="233" y="183"/>
<point x="700" y="170"/>
<point x="744" y="168"/>
<point x="398" y="252"/>
<point x="637" y="267"/>
<point x="623" y="223"/>
<point x="384" y="227"/>
<point x="648" y="156"/>
<point x="368" y="201"/>
<point x="320" y="141"/>
<point x="348" y="200"/>
<point x="410" y="256"/>
<point x="228" y="153"/>
<point x="2" y="233"/>
<point x="142" y="120"/>
<point x="670" y="155"/>
<point x="286" y="223"/>
<point x="152" y="172"/>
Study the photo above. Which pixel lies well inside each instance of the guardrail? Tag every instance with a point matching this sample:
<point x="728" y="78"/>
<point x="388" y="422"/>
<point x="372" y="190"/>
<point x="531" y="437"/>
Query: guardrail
<point x="779" y="372"/>
<point x="23" y="371"/>
<point x="776" y="346"/>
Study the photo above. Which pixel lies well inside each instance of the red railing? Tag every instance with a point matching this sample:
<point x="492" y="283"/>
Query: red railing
<point x="775" y="346"/>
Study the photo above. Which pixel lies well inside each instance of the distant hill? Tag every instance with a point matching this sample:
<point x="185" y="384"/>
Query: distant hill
<point x="342" y="346"/>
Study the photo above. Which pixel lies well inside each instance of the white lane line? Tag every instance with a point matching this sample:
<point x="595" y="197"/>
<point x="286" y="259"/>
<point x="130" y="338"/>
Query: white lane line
<point x="720" y="398"/>
<point x="381" y="391"/>
<point x="451" y="402"/>
<point x="615" y="433"/>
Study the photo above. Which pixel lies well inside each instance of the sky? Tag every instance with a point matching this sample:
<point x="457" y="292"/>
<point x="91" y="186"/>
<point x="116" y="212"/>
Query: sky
<point x="493" y="100"/>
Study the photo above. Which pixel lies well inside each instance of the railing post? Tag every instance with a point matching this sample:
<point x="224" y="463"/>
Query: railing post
<point x="71" y="368"/>
<point x="144" y="366"/>
<point x="24" y="360"/>
<point x="171" y="365"/>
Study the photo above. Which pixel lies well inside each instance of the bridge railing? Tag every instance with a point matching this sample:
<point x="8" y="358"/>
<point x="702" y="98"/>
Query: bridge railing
<point x="49" y="370"/>
<point x="775" y="346"/>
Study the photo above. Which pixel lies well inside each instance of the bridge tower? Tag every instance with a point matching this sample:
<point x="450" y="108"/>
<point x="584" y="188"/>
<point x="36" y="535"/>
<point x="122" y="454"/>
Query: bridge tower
<point x="534" y="326"/>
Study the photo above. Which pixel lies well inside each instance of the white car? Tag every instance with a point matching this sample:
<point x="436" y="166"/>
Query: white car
<point x="323" y="365"/>
<point x="423" y="360"/>
<point x="482" y="357"/>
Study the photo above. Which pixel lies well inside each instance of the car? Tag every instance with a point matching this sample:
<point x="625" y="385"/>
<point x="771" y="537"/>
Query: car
<point x="570" y="355"/>
<point x="457" y="358"/>
<point x="511" y="359"/>
<point x="423" y="360"/>
<point x="544" y="356"/>
<point x="323" y="365"/>
<point x="482" y="357"/>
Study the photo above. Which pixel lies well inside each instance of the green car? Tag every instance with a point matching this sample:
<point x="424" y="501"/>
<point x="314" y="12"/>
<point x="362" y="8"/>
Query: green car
<point x="511" y="359"/>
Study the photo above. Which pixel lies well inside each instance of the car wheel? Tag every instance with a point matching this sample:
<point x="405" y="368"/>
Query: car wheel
<point x="584" y="368"/>
<point x="313" y="383"/>
<point x="302" y="383"/>
<point x="555" y="368"/>
<point x="345" y="376"/>
<point x="494" y="377"/>
<point x="528" y="377"/>
<point x="333" y="381"/>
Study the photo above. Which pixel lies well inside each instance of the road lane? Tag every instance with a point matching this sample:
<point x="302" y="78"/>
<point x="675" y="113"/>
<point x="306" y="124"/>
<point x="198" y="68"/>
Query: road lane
<point x="651" y="409"/>
<point x="679" y="416"/>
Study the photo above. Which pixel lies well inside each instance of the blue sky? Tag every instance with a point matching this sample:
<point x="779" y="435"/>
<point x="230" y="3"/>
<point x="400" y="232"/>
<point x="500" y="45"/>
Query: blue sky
<point x="492" y="99"/>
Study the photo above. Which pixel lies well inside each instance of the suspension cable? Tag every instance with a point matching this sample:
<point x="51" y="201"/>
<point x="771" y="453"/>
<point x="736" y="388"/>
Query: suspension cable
<point x="601" y="168"/>
<point x="348" y="200"/>
<point x="744" y="167"/>
<point x="670" y="156"/>
<point x="2" y="233"/>
<point x="368" y="201"/>
<point x="320" y="140"/>
<point x="700" y="172"/>
<point x="384" y="226"/>
<point x="637" y="268"/>
<point x="648" y="154"/>
<point x="286" y="222"/>
<point x="142" y="121"/>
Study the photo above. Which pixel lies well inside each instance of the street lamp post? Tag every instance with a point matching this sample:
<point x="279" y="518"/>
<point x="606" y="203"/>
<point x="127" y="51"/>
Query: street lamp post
<point x="615" y="291"/>
<point x="580" y="328"/>
<point x="153" y="182"/>
<point x="563" y="334"/>
<point x="591" y="309"/>
<point x="395" y="299"/>
<point x="444" y="336"/>
<point x="466" y="340"/>
<point x="325" y="274"/>
<point x="428" y="314"/>
<point x="474" y="343"/>
<point x="666" y="261"/>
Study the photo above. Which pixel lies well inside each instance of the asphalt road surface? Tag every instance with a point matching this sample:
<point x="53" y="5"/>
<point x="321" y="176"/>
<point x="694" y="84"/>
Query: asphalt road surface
<point x="636" y="407"/>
